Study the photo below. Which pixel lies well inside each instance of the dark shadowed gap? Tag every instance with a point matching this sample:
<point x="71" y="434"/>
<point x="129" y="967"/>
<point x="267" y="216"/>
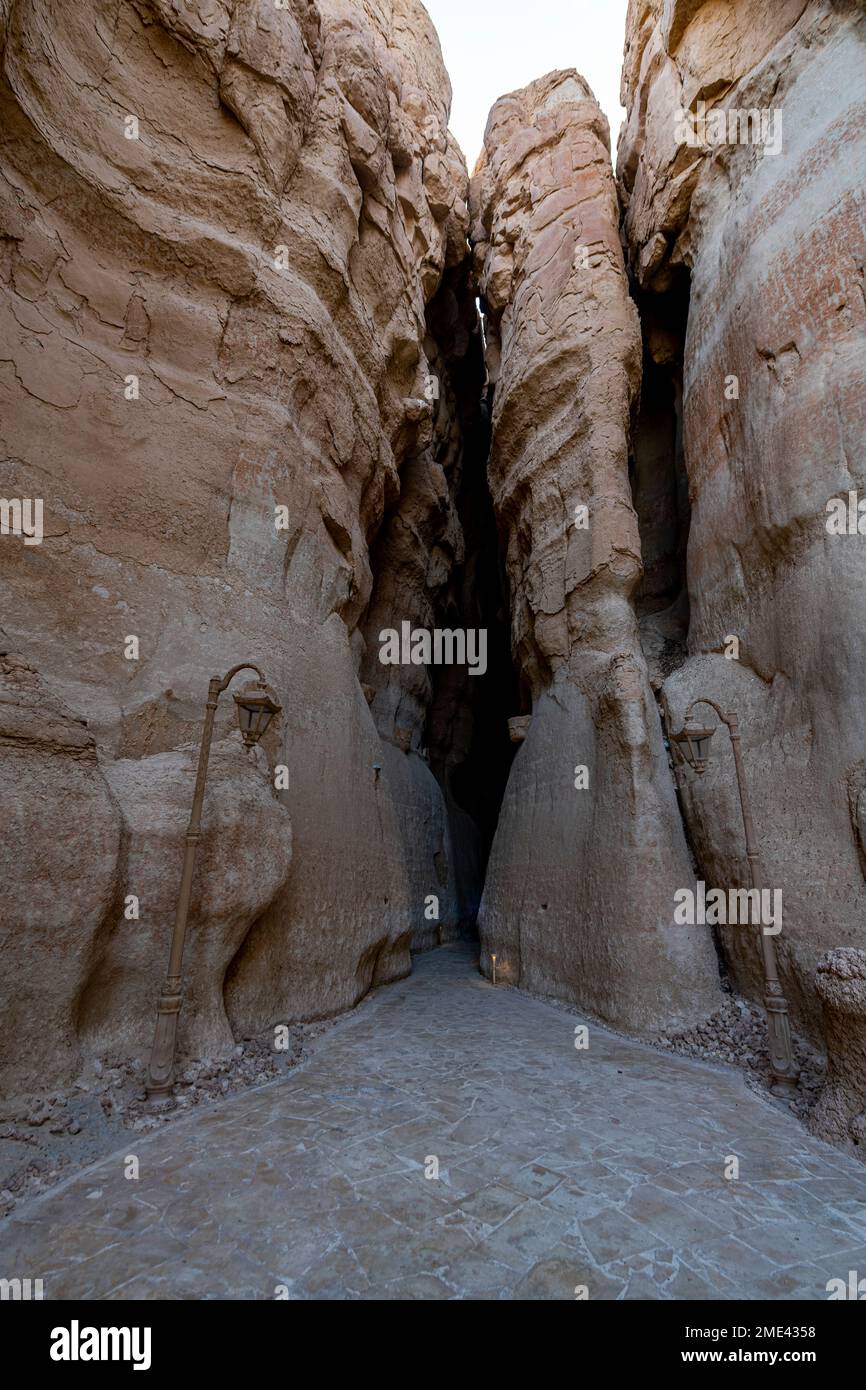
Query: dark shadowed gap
<point x="658" y="478"/>
<point x="660" y="492"/>
<point x="436" y="564"/>
<point x="470" y="749"/>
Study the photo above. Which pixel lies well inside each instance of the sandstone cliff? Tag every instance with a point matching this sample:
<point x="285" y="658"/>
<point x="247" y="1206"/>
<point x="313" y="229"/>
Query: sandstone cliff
<point x="758" y="246"/>
<point x="223" y="226"/>
<point x="579" y="896"/>
<point x="241" y="365"/>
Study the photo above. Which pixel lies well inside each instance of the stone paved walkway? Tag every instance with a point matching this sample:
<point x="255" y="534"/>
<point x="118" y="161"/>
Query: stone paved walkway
<point x="558" y="1168"/>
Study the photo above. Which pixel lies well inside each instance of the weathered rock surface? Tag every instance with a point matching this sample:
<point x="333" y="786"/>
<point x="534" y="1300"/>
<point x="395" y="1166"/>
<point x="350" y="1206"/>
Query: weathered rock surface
<point x="771" y="239"/>
<point x="240" y="363"/>
<point x="243" y="861"/>
<point x="579" y="897"/>
<point x="840" y="1114"/>
<point x="222" y="226"/>
<point x="61" y="833"/>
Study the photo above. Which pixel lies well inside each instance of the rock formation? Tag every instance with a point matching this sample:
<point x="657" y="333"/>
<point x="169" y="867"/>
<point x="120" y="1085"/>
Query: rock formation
<point x="223" y="228"/>
<point x="243" y="373"/>
<point x="579" y="896"/>
<point x="58" y="889"/>
<point x="840" y="1113"/>
<point x="745" y="235"/>
<point x="243" y="862"/>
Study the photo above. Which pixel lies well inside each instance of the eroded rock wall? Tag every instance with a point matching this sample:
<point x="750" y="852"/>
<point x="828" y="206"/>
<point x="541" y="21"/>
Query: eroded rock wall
<point x="222" y="227"/>
<point x="579" y="897"/>
<point x="771" y="237"/>
<point x="419" y="561"/>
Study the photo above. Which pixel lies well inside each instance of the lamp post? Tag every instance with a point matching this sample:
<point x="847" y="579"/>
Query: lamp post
<point x="256" y="706"/>
<point x="692" y="745"/>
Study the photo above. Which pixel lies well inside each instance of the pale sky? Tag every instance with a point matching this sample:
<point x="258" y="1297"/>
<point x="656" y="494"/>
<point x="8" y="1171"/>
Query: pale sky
<point x="494" y="46"/>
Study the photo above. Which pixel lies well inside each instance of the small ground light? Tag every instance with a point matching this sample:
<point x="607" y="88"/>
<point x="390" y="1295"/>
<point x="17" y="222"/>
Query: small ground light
<point x="493" y="958"/>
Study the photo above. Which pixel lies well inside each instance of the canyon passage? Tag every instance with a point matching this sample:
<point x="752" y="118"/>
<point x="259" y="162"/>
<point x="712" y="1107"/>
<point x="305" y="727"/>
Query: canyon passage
<point x="441" y="576"/>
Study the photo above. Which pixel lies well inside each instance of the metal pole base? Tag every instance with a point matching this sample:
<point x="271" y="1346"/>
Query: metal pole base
<point x="160" y="1101"/>
<point x="784" y="1068"/>
<point x="785" y="1086"/>
<point x="159" y="1077"/>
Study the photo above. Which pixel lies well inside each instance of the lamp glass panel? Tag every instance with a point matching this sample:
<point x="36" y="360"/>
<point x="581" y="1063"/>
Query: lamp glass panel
<point x="265" y="717"/>
<point x="698" y="743"/>
<point x="256" y="708"/>
<point x="702" y="747"/>
<point x="685" y="747"/>
<point x="245" y="717"/>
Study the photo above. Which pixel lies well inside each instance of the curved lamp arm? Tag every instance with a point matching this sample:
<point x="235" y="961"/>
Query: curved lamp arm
<point x="725" y="718"/>
<point x="165" y="1034"/>
<point x="227" y="679"/>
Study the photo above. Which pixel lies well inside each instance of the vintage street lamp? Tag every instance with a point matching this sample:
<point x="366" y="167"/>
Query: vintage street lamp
<point x="256" y="706"/>
<point x="692" y="745"/>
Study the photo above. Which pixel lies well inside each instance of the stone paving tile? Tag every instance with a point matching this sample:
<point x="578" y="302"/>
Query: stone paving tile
<point x="558" y="1170"/>
<point x="734" y="1267"/>
<point x="492" y="1205"/>
<point x="673" y="1221"/>
<point x="560" y="1274"/>
<point x="524" y="1238"/>
<point x="575" y="1205"/>
<point x="611" y="1234"/>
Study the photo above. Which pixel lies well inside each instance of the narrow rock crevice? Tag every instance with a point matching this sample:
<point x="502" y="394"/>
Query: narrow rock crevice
<point x="659" y="483"/>
<point x="469" y="744"/>
<point x="436" y="566"/>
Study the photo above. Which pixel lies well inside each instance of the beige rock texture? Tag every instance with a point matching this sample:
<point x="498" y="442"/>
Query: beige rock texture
<point x="768" y="242"/>
<point x="243" y="861"/>
<point x="242" y="368"/>
<point x="57" y="894"/>
<point x="579" y="896"/>
<point x="223" y="226"/>
<point x="84" y="965"/>
<point x="840" y="1112"/>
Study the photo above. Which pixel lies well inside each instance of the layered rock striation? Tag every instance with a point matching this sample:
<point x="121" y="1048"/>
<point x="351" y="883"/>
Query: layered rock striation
<point x="223" y="227"/>
<point x="589" y="852"/>
<point x="243" y="375"/>
<point x="742" y="168"/>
